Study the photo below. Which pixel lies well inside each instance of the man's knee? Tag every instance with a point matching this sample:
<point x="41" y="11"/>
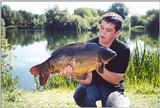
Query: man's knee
<point x="117" y="99"/>
<point x="79" y="96"/>
<point x="81" y="99"/>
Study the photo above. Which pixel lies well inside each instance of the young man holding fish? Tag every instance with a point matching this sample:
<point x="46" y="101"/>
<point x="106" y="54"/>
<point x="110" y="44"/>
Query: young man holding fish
<point x="107" y="86"/>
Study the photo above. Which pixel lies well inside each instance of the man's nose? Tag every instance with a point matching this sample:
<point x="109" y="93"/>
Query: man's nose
<point x="103" y="32"/>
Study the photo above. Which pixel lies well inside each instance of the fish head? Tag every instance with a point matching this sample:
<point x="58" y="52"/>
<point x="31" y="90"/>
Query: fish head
<point x="106" y="54"/>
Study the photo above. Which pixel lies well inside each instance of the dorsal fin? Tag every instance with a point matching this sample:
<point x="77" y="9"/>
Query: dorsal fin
<point x="75" y="43"/>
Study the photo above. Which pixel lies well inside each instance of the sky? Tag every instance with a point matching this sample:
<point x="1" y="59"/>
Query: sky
<point x="135" y="8"/>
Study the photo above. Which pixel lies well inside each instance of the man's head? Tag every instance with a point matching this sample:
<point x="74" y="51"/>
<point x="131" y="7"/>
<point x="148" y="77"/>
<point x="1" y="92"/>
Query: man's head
<point x="113" y="18"/>
<point x="109" y="27"/>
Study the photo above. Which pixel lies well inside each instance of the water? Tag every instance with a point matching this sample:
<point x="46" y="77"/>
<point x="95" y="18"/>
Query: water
<point x="32" y="47"/>
<point x="26" y="57"/>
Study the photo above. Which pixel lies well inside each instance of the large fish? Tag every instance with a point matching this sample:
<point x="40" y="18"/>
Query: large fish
<point x="82" y="57"/>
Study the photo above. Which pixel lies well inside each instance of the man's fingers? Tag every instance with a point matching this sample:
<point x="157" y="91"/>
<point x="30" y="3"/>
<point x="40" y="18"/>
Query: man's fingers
<point x="67" y="71"/>
<point x="61" y="72"/>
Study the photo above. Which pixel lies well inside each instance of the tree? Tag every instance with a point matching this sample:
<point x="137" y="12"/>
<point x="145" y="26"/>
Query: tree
<point x="100" y="12"/>
<point x="24" y="18"/>
<point x="6" y="14"/>
<point x="27" y="19"/>
<point x="59" y="20"/>
<point x="51" y="18"/>
<point x="120" y="9"/>
<point x="152" y="25"/>
<point x="134" y="20"/>
<point x="42" y="20"/>
<point x="85" y="12"/>
<point x="2" y="22"/>
<point x="51" y="13"/>
<point x="80" y="23"/>
<point x="17" y="17"/>
<point x="13" y="17"/>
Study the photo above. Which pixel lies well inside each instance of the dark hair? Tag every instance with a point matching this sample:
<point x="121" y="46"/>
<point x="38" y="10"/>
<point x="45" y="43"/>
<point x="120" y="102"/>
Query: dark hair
<point x="113" y="18"/>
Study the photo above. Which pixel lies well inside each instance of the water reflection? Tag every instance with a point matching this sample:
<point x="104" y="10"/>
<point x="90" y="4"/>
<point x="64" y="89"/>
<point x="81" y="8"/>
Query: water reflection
<point x="54" y="40"/>
<point x="24" y="37"/>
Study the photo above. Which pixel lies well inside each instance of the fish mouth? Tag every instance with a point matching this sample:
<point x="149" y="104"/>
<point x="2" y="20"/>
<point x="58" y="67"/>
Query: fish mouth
<point x="114" y="54"/>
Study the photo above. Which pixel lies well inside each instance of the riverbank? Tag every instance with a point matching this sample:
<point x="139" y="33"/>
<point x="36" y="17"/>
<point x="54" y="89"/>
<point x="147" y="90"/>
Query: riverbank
<point x="58" y="98"/>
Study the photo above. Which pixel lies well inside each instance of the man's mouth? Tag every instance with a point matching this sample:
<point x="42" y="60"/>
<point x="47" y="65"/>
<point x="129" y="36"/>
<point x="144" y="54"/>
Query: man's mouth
<point x="102" y="37"/>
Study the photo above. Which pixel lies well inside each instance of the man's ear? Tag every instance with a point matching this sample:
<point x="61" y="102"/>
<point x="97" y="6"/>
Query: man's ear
<point x="117" y="34"/>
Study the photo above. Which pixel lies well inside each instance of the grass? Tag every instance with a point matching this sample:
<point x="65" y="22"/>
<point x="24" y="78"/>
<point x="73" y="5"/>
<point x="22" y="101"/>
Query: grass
<point x="43" y="99"/>
<point x="57" y="98"/>
<point x="143" y="100"/>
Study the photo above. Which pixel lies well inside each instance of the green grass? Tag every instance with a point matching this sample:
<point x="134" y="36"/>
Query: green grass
<point x="56" y="98"/>
<point x="43" y="99"/>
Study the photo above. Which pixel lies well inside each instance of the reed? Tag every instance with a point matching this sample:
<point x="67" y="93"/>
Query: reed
<point x="144" y="68"/>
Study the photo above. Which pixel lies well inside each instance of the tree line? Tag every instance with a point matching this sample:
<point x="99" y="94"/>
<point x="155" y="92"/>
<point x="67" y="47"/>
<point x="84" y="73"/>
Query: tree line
<point x="83" y="19"/>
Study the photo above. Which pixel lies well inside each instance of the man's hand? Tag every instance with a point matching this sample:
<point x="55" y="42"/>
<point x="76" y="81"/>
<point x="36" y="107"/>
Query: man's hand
<point x="100" y="68"/>
<point x="68" y="71"/>
<point x="84" y="79"/>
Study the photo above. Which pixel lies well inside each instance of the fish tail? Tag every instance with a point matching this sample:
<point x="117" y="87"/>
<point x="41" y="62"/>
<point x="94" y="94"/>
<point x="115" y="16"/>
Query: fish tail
<point x="35" y="70"/>
<point x="43" y="77"/>
<point x="38" y="71"/>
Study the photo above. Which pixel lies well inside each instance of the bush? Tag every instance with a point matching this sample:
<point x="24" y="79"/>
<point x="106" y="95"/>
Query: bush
<point x="8" y="82"/>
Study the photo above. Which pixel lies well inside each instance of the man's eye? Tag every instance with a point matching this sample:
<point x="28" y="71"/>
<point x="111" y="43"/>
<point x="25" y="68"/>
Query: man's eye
<point x="101" y="27"/>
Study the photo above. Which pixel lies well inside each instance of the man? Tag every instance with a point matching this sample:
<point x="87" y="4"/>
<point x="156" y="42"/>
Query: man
<point x="107" y="86"/>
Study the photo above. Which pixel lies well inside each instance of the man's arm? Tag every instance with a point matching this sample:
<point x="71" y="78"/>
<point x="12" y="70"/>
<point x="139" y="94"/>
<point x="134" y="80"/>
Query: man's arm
<point x="118" y="68"/>
<point x="111" y="77"/>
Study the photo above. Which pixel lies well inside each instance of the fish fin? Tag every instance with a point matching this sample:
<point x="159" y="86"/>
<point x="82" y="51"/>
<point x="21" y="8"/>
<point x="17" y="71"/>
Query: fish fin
<point x="35" y="70"/>
<point x="81" y="77"/>
<point x="100" y="69"/>
<point x="43" y="78"/>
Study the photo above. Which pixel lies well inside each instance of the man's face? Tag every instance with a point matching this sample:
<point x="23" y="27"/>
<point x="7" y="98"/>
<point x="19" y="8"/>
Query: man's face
<point x="107" y="32"/>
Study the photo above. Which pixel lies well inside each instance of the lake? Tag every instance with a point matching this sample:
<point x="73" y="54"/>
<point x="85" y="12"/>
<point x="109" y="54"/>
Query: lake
<point x="32" y="47"/>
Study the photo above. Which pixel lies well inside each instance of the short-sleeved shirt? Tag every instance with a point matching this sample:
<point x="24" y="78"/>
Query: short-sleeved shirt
<point x="118" y="64"/>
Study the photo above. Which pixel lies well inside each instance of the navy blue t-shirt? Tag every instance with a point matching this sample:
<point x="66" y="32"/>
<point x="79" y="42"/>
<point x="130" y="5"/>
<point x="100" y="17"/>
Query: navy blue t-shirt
<point x="118" y="64"/>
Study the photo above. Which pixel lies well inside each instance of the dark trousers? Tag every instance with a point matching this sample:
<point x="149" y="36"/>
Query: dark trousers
<point x="87" y="95"/>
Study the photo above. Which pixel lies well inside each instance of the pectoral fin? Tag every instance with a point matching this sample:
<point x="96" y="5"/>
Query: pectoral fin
<point x="101" y="67"/>
<point x="81" y="77"/>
